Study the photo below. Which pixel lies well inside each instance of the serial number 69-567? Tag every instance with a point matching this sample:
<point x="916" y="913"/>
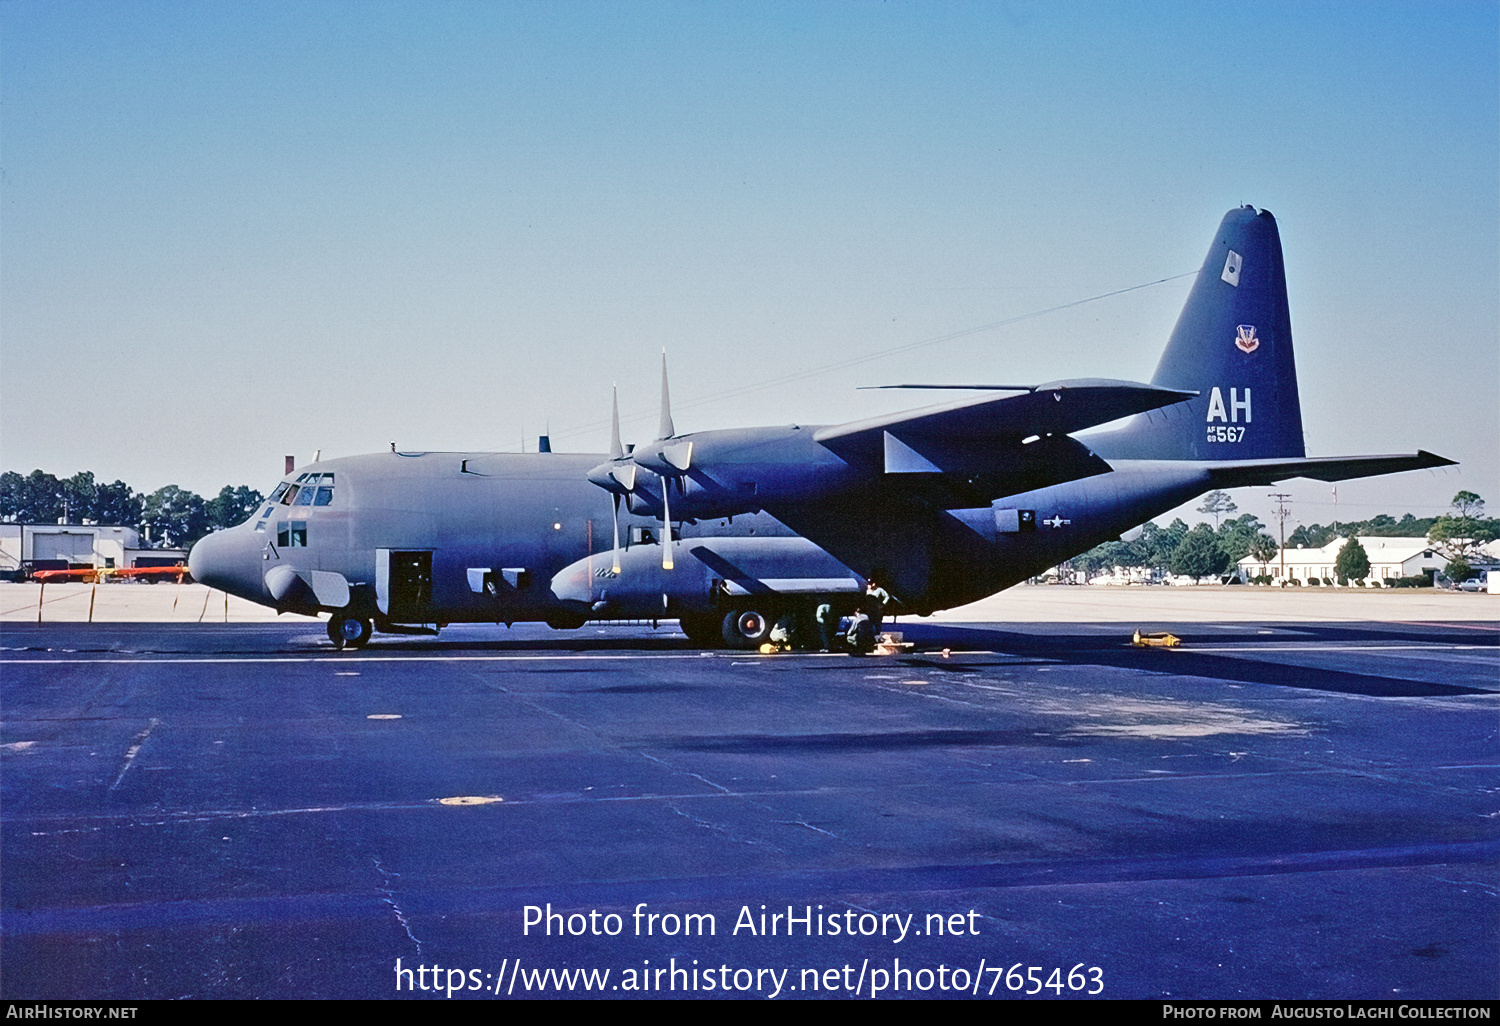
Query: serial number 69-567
<point x="1222" y="433"/>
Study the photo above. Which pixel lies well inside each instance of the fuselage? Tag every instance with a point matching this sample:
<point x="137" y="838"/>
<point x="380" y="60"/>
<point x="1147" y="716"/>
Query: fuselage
<point x="439" y="538"/>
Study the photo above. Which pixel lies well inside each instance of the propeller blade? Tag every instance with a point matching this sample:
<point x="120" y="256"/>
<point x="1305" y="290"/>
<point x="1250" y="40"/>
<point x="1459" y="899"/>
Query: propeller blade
<point x="616" y="450"/>
<point x="666" y="527"/>
<point x="615" y="501"/>
<point x="665" y="429"/>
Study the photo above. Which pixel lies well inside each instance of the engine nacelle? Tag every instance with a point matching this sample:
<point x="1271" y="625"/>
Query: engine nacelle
<point x="709" y="574"/>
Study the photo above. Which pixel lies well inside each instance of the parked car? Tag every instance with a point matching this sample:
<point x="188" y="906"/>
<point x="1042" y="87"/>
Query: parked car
<point x="1472" y="584"/>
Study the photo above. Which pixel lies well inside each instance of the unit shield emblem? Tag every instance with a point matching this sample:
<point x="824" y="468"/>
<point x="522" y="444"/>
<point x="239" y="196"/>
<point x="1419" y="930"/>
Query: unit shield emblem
<point x="1245" y="338"/>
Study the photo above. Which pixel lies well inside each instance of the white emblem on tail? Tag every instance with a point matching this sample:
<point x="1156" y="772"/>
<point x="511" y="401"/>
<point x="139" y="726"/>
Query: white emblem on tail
<point x="1245" y="340"/>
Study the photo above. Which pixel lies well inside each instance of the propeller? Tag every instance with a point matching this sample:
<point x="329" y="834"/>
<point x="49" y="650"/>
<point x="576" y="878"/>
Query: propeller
<point x="667" y="462"/>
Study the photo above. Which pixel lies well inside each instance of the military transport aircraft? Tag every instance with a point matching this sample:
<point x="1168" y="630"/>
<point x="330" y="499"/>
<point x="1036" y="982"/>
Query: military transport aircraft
<point x="728" y="530"/>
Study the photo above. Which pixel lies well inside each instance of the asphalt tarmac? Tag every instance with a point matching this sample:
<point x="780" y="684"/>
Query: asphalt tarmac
<point x="1275" y="810"/>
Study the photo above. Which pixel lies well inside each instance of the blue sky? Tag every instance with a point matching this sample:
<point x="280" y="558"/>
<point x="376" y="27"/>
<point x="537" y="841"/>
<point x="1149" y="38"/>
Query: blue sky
<point x="234" y="231"/>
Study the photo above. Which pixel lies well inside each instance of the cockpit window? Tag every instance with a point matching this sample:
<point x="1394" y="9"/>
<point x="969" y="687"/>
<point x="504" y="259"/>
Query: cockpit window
<point x="292" y="534"/>
<point x="308" y="489"/>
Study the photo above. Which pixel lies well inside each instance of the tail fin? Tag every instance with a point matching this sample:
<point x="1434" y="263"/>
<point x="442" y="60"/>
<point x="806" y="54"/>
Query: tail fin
<point x="1233" y="345"/>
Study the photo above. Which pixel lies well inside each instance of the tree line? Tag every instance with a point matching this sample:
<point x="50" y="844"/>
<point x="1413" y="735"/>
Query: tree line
<point x="169" y="517"/>
<point x="1205" y="551"/>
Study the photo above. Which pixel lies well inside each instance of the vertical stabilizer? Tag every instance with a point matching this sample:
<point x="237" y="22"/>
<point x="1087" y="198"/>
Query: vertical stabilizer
<point x="1233" y="345"/>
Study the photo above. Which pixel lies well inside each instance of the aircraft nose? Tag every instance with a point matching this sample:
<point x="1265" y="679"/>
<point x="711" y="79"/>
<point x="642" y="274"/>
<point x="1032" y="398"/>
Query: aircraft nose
<point x="230" y="561"/>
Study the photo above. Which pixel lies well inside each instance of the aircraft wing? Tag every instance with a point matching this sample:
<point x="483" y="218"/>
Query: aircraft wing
<point x="910" y="547"/>
<point x="1056" y="408"/>
<point x="1325" y="468"/>
<point x="972" y="451"/>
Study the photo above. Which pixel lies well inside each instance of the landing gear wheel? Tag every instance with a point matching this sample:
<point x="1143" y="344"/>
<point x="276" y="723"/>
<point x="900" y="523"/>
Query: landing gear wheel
<point x="746" y="628"/>
<point x="348" y="631"/>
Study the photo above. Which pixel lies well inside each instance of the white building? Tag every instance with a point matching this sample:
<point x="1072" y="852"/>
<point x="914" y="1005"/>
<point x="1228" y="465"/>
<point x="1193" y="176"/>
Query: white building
<point x="95" y="545"/>
<point x="1389" y="558"/>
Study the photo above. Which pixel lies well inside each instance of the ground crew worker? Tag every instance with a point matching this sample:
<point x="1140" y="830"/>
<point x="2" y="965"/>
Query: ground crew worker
<point x="876" y="599"/>
<point x="828" y="625"/>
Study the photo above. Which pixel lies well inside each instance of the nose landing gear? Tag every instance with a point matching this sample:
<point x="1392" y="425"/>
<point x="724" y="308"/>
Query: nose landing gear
<point x="348" y="631"/>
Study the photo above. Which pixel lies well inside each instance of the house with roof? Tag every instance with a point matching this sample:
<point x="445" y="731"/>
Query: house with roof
<point x="1390" y="558"/>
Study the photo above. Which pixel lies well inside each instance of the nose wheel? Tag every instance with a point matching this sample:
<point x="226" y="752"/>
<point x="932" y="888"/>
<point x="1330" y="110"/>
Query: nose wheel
<point x="348" y="631"/>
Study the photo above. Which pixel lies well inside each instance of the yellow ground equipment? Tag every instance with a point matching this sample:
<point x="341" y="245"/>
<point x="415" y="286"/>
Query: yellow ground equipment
<point x="1154" y="639"/>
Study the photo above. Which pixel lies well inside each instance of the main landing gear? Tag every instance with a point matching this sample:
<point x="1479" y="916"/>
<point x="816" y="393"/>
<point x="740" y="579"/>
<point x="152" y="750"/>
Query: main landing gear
<point x="746" y="628"/>
<point x="348" y="631"/>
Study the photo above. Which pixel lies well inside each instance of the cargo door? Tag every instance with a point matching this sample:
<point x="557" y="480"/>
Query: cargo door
<point x="403" y="584"/>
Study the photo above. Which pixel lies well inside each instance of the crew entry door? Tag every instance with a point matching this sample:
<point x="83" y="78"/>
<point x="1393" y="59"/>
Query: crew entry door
<point x="403" y="584"/>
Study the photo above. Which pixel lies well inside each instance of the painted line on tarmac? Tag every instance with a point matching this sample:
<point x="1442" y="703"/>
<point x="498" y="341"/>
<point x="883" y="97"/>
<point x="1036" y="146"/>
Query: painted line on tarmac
<point x="345" y="659"/>
<point x="1292" y="646"/>
<point x="1435" y="623"/>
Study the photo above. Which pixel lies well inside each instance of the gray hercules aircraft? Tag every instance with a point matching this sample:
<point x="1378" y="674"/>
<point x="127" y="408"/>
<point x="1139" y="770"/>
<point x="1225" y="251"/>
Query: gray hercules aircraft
<point x="729" y="530"/>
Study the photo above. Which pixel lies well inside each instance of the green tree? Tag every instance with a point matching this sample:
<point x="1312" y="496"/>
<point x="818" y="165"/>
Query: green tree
<point x="1263" y="548"/>
<point x="1236" y="535"/>
<point x="1459" y="534"/>
<point x="1458" y="570"/>
<point x="117" y="504"/>
<point x="232" y="506"/>
<point x="35" y="498"/>
<point x="39" y="498"/>
<point x="1157" y="544"/>
<point x="1199" y="554"/>
<point x="175" y="517"/>
<point x="1217" y="503"/>
<point x="1353" y="563"/>
<point x="1312" y="536"/>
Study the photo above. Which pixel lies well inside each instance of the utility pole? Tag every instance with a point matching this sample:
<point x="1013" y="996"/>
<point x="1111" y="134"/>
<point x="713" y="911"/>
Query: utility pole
<point x="1281" y="514"/>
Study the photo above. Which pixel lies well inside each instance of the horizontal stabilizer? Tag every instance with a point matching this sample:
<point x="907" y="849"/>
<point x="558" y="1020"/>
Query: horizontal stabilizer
<point x="1059" y="407"/>
<point x="962" y="388"/>
<point x="1326" y="468"/>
